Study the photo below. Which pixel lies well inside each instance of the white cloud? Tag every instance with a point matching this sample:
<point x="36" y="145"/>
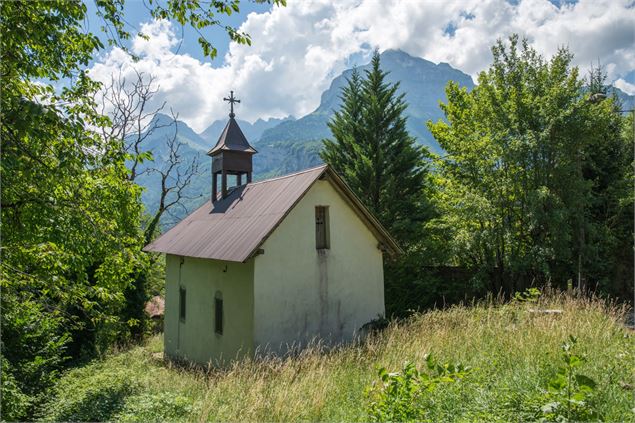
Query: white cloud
<point x="297" y="50"/>
<point x="625" y="86"/>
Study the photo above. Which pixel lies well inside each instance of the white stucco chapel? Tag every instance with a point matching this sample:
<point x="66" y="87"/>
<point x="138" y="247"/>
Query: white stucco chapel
<point x="269" y="265"/>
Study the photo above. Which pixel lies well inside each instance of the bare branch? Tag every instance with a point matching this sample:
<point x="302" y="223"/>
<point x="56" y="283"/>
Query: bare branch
<point x="128" y="103"/>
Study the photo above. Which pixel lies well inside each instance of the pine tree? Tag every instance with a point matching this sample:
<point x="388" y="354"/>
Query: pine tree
<point x="373" y="151"/>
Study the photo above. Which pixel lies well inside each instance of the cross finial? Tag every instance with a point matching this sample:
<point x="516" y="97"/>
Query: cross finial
<point x="231" y="101"/>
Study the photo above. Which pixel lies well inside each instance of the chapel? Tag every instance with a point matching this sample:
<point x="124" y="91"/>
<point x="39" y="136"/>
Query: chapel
<point x="266" y="266"/>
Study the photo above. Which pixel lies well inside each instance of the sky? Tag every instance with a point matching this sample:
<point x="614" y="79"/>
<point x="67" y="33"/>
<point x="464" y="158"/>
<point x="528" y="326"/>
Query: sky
<point x="297" y="50"/>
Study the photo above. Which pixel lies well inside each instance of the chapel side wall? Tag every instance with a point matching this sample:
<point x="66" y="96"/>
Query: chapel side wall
<point x="195" y="338"/>
<point x="300" y="292"/>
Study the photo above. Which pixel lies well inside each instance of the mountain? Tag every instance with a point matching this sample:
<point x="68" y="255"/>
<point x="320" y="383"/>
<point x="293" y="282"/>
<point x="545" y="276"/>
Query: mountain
<point x="422" y="82"/>
<point x="627" y="100"/>
<point x="252" y="131"/>
<point x="193" y="147"/>
<point x="287" y="145"/>
<point x="165" y="127"/>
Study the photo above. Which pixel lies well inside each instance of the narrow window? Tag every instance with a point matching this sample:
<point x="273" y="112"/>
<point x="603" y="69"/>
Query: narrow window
<point x="182" y="303"/>
<point x="321" y="227"/>
<point x="218" y="314"/>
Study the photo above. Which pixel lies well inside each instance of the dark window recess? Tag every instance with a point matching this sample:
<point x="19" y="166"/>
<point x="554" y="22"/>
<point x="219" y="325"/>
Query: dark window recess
<point x="218" y="316"/>
<point x="182" y="303"/>
<point x="321" y="227"/>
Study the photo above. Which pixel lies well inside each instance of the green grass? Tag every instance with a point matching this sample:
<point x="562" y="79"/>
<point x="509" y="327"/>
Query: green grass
<point x="513" y="353"/>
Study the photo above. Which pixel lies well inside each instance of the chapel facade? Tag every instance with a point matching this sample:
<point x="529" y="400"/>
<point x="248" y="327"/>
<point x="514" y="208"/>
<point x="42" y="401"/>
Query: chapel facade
<point x="266" y="266"/>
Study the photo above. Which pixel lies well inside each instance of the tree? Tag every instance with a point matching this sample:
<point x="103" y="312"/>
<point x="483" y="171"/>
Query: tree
<point x="132" y="124"/>
<point x="516" y="195"/>
<point x="126" y="103"/>
<point x="377" y="157"/>
<point x="70" y="214"/>
<point x="381" y="162"/>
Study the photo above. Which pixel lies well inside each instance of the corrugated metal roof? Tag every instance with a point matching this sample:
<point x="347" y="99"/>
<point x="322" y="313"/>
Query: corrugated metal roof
<point x="232" y="139"/>
<point x="233" y="228"/>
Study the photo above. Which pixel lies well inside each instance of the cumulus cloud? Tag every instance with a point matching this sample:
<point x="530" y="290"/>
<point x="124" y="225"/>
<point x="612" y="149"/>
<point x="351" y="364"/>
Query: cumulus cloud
<point x="297" y="50"/>
<point x="625" y="86"/>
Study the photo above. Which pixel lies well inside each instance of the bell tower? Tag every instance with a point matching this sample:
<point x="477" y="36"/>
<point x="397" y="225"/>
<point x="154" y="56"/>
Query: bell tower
<point x="231" y="156"/>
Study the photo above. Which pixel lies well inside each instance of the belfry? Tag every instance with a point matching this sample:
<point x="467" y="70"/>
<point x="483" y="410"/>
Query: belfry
<point x="232" y="154"/>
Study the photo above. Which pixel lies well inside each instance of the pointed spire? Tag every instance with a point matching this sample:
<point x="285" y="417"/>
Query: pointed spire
<point x="232" y="138"/>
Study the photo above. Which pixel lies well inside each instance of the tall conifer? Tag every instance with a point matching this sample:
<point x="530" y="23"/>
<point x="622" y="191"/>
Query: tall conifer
<point x="373" y="151"/>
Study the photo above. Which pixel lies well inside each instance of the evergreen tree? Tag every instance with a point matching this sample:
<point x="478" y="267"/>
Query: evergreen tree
<point x="373" y="151"/>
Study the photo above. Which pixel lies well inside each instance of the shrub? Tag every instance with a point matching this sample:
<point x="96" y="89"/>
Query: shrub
<point x="164" y="406"/>
<point x="569" y="394"/>
<point x="83" y="397"/>
<point x="402" y="396"/>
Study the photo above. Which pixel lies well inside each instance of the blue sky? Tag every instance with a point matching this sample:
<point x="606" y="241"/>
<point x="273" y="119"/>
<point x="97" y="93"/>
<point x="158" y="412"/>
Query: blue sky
<point x="136" y="13"/>
<point x="297" y="50"/>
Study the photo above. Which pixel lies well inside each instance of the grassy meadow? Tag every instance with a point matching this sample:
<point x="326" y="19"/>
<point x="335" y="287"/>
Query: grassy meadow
<point x="513" y="353"/>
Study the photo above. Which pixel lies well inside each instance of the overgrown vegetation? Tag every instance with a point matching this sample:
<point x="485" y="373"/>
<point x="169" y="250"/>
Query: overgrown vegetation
<point x="512" y="368"/>
<point x="536" y="185"/>
<point x="73" y="277"/>
<point x="535" y="189"/>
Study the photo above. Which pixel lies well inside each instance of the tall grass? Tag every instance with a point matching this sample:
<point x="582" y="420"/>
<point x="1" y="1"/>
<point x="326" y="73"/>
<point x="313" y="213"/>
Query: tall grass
<point x="513" y="351"/>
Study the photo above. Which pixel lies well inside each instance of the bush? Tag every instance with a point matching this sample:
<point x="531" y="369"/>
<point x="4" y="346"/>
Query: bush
<point x="164" y="406"/>
<point x="403" y="396"/>
<point x="80" y="396"/>
<point x="33" y="351"/>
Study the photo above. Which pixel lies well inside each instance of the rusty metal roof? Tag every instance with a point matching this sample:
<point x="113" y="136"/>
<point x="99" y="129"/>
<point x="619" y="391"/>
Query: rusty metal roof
<point x="232" y="139"/>
<point x="235" y="227"/>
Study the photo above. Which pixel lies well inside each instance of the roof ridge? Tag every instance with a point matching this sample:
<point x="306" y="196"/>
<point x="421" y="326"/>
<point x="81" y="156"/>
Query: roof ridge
<point x="311" y="169"/>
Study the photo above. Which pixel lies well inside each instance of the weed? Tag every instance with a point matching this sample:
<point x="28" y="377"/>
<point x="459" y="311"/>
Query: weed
<point x="402" y="396"/>
<point x="569" y="393"/>
<point x="513" y="353"/>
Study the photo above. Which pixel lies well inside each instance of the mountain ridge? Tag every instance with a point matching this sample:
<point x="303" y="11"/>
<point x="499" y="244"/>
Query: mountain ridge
<point x="287" y="145"/>
<point x="421" y="81"/>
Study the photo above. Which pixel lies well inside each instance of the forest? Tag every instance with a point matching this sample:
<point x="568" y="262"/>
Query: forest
<point x="533" y="189"/>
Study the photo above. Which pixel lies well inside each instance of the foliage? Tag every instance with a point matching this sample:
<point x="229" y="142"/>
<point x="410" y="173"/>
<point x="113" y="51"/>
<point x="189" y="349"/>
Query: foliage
<point x="70" y="214"/>
<point x="374" y="153"/>
<point x="513" y="354"/>
<point x="381" y="162"/>
<point x="99" y="399"/>
<point x="533" y="185"/>
<point x="404" y="396"/>
<point x="569" y="393"/>
<point x="530" y="295"/>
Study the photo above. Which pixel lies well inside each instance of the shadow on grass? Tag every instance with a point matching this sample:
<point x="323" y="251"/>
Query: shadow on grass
<point x="100" y="405"/>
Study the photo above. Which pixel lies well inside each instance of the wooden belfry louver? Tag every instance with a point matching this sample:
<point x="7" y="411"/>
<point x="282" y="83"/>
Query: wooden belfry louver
<point x="232" y="154"/>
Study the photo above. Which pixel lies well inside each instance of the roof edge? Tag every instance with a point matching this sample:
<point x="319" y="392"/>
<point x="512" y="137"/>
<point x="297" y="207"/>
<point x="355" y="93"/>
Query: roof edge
<point x="366" y="215"/>
<point x="371" y="221"/>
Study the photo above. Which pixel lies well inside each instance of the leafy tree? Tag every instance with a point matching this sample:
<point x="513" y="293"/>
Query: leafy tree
<point x="377" y="157"/>
<point x="70" y="215"/>
<point x="516" y="189"/>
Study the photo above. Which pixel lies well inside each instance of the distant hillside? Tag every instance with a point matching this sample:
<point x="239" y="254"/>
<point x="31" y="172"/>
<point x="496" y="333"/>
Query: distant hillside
<point x="193" y="148"/>
<point x="252" y="131"/>
<point x="288" y="145"/>
<point x="422" y="81"/>
<point x="628" y="101"/>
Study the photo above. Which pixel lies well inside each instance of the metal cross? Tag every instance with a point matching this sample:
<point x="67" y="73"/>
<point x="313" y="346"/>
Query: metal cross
<point x="231" y="101"/>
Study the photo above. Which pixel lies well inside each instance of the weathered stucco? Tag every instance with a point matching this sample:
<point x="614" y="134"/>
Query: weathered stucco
<point x="194" y="339"/>
<point x="302" y="293"/>
<point x="289" y="294"/>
